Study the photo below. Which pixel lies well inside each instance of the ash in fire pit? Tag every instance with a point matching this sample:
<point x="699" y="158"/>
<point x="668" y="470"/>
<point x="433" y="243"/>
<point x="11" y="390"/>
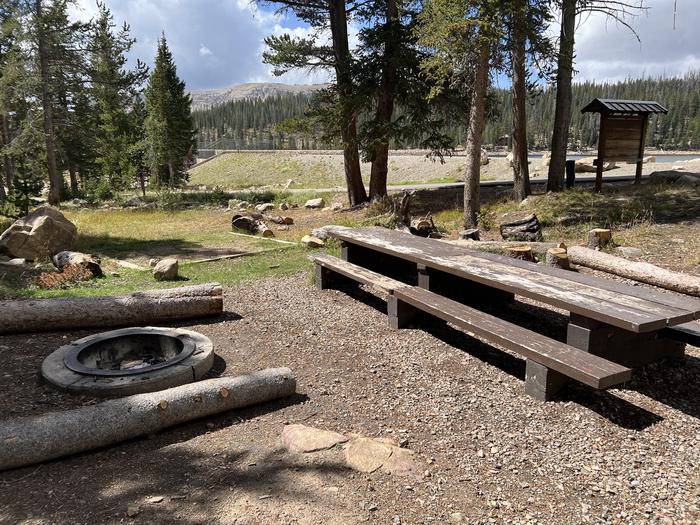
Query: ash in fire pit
<point x="130" y="361"/>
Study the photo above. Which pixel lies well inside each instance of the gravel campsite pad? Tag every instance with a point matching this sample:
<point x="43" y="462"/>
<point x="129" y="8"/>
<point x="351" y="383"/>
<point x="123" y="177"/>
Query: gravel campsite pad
<point x="487" y="453"/>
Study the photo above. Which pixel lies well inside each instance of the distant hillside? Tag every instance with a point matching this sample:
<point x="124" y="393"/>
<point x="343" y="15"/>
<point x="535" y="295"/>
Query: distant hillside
<point x="205" y="98"/>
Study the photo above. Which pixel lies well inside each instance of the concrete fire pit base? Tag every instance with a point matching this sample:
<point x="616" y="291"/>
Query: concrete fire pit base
<point x="129" y="361"/>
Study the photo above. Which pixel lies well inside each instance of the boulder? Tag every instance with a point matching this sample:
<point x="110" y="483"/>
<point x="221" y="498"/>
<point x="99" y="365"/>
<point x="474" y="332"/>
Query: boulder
<point x="650" y="158"/>
<point x="322" y="232"/>
<point x="675" y="177"/>
<point x="336" y="206"/>
<point x="545" y="160"/>
<point x="66" y="258"/>
<point x="262" y="208"/>
<point x="484" y="158"/>
<point x="629" y="251"/>
<point x="166" y="270"/>
<point x="42" y="233"/>
<point x="315" y="204"/>
<point x="509" y="158"/>
<point x="134" y="202"/>
<point x="585" y="165"/>
<point x="312" y="242"/>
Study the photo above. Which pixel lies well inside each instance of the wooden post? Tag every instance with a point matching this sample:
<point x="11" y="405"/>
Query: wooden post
<point x="601" y="160"/>
<point x="640" y="158"/>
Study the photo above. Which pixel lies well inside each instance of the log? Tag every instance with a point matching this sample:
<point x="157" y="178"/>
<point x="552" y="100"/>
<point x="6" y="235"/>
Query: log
<point x="264" y="230"/>
<point x="539" y="248"/>
<point x="522" y="252"/>
<point x="638" y="271"/>
<point x="521" y="227"/>
<point x="33" y="439"/>
<point x="471" y="233"/>
<point x="252" y="224"/>
<point x="558" y="258"/>
<point x="599" y="238"/>
<point x="140" y="308"/>
<point x="278" y="219"/>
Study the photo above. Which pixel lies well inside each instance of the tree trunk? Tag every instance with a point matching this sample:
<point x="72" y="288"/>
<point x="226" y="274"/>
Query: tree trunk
<point x="385" y="103"/>
<point x="55" y="178"/>
<point x="141" y="308"/>
<point x="7" y="164"/>
<point x="171" y="175"/>
<point x="348" y="127"/>
<point x="475" y="131"/>
<point x="521" y="174"/>
<point x="562" y="112"/>
<point x="638" y="271"/>
<point x="33" y="439"/>
<point x="73" y="179"/>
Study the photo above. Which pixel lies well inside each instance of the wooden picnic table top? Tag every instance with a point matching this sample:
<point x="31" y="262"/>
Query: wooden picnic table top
<point x="631" y="308"/>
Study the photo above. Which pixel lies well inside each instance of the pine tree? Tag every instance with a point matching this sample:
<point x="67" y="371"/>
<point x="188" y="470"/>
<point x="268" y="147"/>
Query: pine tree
<point x="169" y="127"/>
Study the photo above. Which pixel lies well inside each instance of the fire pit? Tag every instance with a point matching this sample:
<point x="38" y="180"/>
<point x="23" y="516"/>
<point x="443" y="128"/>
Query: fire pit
<point x="129" y="361"/>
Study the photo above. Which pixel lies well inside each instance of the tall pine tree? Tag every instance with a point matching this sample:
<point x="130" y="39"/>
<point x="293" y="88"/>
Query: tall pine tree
<point x="170" y="133"/>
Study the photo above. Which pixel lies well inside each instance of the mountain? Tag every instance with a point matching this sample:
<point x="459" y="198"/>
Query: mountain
<point x="205" y="98"/>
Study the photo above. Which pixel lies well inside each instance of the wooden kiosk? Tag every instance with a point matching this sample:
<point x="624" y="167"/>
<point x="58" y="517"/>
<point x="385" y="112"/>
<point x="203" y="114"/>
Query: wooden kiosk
<point x="623" y="128"/>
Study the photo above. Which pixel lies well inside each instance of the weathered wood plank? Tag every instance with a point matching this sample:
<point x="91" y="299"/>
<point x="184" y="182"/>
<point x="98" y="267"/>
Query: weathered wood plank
<point x="687" y="333"/>
<point x="357" y="273"/>
<point x="572" y="362"/>
<point x="560" y="293"/>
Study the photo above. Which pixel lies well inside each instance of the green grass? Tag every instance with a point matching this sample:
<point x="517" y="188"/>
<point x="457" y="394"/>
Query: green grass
<point x="248" y="170"/>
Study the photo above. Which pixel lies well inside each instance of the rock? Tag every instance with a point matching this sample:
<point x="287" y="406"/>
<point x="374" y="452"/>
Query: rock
<point x="262" y="208"/>
<point x="312" y="242"/>
<point x="585" y="165"/>
<point x="336" y="206"/>
<point x="166" y="270"/>
<point x="629" y="251"/>
<point x="154" y="499"/>
<point x="650" y="158"/>
<point x="132" y="510"/>
<point x="545" y="160"/>
<point x="42" y="233"/>
<point x="152" y="262"/>
<point x="134" y="202"/>
<point x="300" y="438"/>
<point x="67" y="258"/>
<point x="284" y="206"/>
<point x="315" y="204"/>
<point x="521" y="227"/>
<point x="509" y="158"/>
<point x="243" y="205"/>
<point x="321" y="232"/>
<point x="689" y="179"/>
<point x="368" y="455"/>
<point x="484" y="158"/>
<point x="675" y="177"/>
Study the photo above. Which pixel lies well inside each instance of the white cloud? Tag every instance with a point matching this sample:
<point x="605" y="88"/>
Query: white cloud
<point x="204" y="51"/>
<point x="608" y="51"/>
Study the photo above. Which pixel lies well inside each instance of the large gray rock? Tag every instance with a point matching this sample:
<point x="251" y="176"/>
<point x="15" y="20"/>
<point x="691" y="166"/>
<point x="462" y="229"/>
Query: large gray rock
<point x="315" y="204"/>
<point x="300" y="438"/>
<point x="42" y="233"/>
<point x="166" y="270"/>
<point x="675" y="177"/>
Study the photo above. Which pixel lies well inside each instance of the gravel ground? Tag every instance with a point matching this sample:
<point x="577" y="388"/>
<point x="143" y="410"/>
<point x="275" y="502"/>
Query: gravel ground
<point x="489" y="453"/>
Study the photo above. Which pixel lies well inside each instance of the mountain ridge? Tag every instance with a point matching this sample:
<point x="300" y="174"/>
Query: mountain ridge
<point x="206" y="98"/>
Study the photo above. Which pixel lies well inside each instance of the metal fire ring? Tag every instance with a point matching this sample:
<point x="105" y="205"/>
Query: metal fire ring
<point x="73" y="363"/>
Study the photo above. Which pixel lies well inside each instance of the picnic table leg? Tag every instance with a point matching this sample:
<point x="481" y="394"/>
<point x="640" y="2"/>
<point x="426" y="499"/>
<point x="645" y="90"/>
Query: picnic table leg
<point x="541" y="382"/>
<point x="621" y="346"/>
<point x="400" y="313"/>
<point x="327" y="279"/>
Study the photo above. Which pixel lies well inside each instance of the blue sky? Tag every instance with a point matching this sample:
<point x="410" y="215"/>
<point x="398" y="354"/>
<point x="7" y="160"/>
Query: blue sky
<point x="217" y="43"/>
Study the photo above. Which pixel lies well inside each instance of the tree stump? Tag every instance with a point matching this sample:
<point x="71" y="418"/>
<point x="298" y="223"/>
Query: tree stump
<point x="519" y="227"/>
<point x="558" y="258"/>
<point x="598" y="238"/>
<point x="523" y="253"/>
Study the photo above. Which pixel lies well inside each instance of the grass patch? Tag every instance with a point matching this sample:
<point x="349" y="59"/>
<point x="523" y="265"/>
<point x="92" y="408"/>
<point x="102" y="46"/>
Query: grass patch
<point x="249" y="170"/>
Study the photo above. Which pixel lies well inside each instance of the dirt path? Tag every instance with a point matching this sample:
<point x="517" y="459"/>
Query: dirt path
<point x="488" y="453"/>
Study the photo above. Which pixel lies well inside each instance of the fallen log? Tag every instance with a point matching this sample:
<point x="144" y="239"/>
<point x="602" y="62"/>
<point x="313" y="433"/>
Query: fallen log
<point x="637" y="271"/>
<point x="139" y="308"/>
<point x="33" y="439"/>
<point x="539" y="248"/>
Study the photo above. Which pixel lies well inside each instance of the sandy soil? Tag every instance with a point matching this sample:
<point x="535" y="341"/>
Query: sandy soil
<point x="489" y="454"/>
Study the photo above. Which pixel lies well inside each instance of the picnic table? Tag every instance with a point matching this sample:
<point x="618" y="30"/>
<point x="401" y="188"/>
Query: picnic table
<point x="612" y="327"/>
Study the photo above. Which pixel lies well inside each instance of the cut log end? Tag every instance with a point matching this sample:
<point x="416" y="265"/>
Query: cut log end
<point x="599" y="238"/>
<point x="523" y="253"/>
<point x="558" y="258"/>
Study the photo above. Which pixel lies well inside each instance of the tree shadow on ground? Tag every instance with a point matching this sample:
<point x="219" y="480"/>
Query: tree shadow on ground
<point x="190" y="478"/>
<point x="128" y="248"/>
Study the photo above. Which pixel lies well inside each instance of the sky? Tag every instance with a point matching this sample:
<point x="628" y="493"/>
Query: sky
<point x="217" y="43"/>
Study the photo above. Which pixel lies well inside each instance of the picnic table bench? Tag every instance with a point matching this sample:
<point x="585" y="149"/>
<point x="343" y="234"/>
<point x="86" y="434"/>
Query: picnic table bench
<point x="612" y="326"/>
